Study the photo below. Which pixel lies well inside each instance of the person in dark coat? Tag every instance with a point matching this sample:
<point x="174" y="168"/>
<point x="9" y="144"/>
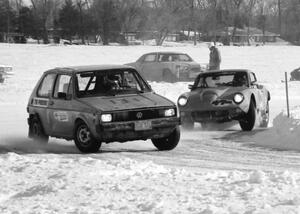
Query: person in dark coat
<point x="1" y="78"/>
<point x="214" y="57"/>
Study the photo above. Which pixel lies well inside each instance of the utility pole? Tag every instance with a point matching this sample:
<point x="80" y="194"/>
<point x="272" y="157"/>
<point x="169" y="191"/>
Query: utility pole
<point x="287" y="95"/>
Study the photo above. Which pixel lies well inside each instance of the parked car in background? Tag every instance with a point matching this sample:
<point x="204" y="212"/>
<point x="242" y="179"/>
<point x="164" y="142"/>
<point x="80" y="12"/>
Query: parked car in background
<point x="167" y="66"/>
<point x="5" y="71"/>
<point x="225" y="95"/>
<point x="295" y="75"/>
<point x="95" y="104"/>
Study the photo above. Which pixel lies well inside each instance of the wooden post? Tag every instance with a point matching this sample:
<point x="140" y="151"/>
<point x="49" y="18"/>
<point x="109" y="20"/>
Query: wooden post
<point x="287" y="95"/>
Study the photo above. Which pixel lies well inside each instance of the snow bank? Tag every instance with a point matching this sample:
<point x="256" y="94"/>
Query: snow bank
<point x="284" y="134"/>
<point x="55" y="184"/>
<point x="38" y="180"/>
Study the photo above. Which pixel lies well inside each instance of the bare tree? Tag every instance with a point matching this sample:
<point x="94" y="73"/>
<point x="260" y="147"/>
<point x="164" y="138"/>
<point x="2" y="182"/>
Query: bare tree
<point x="279" y="16"/>
<point x="262" y="18"/>
<point x="105" y="15"/>
<point x="193" y="19"/>
<point x="8" y="16"/>
<point x="237" y="6"/>
<point x="292" y="20"/>
<point x="249" y="10"/>
<point x="82" y="5"/>
<point x="128" y="13"/>
<point x="17" y="5"/>
<point x="112" y="17"/>
<point x="44" y="12"/>
<point x="163" y="18"/>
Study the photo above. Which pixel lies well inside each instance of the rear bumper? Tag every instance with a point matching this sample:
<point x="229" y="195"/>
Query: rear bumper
<point x="125" y="131"/>
<point x="213" y="116"/>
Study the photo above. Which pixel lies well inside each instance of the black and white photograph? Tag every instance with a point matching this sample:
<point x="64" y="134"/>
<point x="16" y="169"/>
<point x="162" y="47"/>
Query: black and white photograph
<point x="150" y="106"/>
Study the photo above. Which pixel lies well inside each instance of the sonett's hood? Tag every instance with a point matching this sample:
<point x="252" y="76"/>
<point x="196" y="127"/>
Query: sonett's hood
<point x="128" y="101"/>
<point x="210" y="94"/>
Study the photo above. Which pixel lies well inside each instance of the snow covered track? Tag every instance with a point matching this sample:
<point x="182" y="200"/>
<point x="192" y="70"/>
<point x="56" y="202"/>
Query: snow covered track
<point x="209" y="172"/>
<point x="52" y="183"/>
<point x="227" y="171"/>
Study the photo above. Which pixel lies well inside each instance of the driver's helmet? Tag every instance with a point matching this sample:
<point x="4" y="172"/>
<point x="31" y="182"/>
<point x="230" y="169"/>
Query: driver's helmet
<point x="112" y="77"/>
<point x="113" y="80"/>
<point x="240" y="79"/>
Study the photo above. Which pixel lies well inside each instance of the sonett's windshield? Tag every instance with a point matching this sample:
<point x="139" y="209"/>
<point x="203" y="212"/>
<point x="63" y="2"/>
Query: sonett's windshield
<point x="109" y="82"/>
<point x="221" y="79"/>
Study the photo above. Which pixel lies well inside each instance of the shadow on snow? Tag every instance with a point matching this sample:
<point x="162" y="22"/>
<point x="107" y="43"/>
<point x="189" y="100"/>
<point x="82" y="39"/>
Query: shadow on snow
<point x="21" y="145"/>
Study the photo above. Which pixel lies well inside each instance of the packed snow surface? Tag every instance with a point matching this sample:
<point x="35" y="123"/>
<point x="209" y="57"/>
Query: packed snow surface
<point x="79" y="184"/>
<point x="223" y="170"/>
<point x="285" y="133"/>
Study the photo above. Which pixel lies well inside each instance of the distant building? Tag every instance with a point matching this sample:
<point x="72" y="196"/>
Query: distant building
<point x="255" y="35"/>
<point x="189" y="35"/>
<point x="240" y="36"/>
<point x="12" y="37"/>
<point x="130" y="36"/>
<point x="172" y="37"/>
<point x="136" y="38"/>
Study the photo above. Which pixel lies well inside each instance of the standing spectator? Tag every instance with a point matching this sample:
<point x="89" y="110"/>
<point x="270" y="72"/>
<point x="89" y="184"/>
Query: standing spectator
<point x="1" y="78"/>
<point x="214" y="57"/>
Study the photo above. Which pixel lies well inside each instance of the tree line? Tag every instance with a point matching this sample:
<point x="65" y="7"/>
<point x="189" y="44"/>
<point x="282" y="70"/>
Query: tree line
<point x="109" y="19"/>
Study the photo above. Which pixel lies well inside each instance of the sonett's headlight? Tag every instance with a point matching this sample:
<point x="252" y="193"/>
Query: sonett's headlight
<point x="106" y="118"/>
<point x="169" y="112"/>
<point x="182" y="101"/>
<point x="238" y="98"/>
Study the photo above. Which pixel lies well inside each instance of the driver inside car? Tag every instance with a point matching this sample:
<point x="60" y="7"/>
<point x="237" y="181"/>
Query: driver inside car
<point x="105" y="83"/>
<point x="240" y="80"/>
<point x="113" y="81"/>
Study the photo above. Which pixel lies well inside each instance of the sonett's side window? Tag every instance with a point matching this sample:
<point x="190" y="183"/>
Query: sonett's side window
<point x="63" y="84"/>
<point x="45" y="88"/>
<point x="150" y="58"/>
<point x="252" y="78"/>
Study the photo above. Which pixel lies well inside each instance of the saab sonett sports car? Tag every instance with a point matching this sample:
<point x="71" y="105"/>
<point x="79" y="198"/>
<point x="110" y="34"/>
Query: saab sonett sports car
<point x="225" y="95"/>
<point x="95" y="104"/>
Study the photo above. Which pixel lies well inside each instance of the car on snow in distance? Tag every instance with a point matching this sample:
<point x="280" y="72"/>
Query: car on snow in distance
<point x="167" y="66"/>
<point x="95" y="104"/>
<point x="5" y="71"/>
<point x="295" y="75"/>
<point x="225" y="95"/>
